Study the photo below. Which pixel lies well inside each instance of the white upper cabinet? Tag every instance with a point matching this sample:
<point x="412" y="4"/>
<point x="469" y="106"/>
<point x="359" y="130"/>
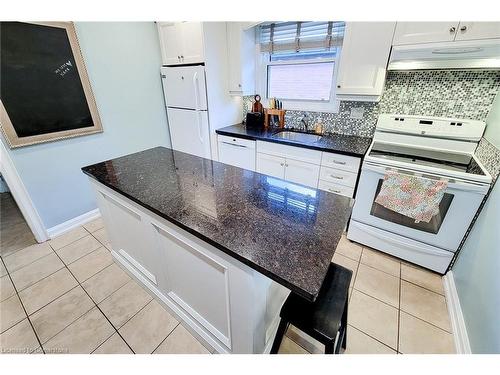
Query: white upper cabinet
<point x="363" y="60"/>
<point x="478" y="30"/>
<point x="241" y="58"/>
<point x="430" y="32"/>
<point x="424" y="32"/>
<point x="181" y="42"/>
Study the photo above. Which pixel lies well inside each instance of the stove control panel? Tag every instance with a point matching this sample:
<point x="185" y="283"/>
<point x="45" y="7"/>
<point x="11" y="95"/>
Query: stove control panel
<point x="441" y="127"/>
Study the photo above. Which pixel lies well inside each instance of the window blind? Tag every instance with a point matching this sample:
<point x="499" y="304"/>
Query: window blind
<point x="301" y="36"/>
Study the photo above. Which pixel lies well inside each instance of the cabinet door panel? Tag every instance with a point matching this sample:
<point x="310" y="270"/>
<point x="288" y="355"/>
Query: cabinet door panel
<point x="424" y="32"/>
<point x="271" y="165"/>
<point x="478" y="30"/>
<point x="302" y="173"/>
<point x="363" y="58"/>
<point x="197" y="282"/>
<point x="192" y="43"/>
<point x="170" y="42"/>
<point x="129" y="237"/>
<point x="237" y="152"/>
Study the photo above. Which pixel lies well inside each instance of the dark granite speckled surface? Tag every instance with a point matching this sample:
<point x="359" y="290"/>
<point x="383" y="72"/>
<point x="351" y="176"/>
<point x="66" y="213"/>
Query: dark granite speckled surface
<point x="338" y="143"/>
<point x="286" y="231"/>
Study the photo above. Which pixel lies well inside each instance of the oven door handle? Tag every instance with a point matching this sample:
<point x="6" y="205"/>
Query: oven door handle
<point x="452" y="183"/>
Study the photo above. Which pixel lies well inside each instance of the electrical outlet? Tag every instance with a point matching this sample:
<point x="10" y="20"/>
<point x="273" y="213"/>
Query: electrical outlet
<point x="357" y="112"/>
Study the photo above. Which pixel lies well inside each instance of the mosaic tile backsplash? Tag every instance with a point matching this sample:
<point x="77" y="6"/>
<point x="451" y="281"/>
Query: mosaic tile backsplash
<point x="443" y="93"/>
<point x="489" y="156"/>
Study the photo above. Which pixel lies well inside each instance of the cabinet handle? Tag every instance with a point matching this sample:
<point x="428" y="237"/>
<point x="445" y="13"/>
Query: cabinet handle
<point x="337" y="177"/>
<point x="338" y="86"/>
<point x="333" y="190"/>
<point x="339" y="162"/>
<point x="453" y="29"/>
<point x="239" y="84"/>
<point x="234" y="144"/>
<point x="463" y="29"/>
<point x="178" y="57"/>
<point x="286" y="165"/>
<point x="282" y="164"/>
<point x="182" y="57"/>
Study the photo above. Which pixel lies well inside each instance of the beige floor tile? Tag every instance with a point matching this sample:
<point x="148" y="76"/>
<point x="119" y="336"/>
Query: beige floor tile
<point x="88" y="265"/>
<point x="180" y="341"/>
<point x="3" y="270"/>
<point x="360" y="343"/>
<point x="305" y="341"/>
<point x="381" y="261"/>
<point x="6" y="288"/>
<point x="378" y="284"/>
<point x="123" y="304"/>
<point x="349" y="249"/>
<point x="19" y="339"/>
<point x="102" y="284"/>
<point x="289" y="347"/>
<point x="78" y="249"/>
<point x="148" y="328"/>
<point x="68" y="237"/>
<point x="426" y="305"/>
<point x="46" y="290"/>
<point x="83" y="336"/>
<point x="422" y="277"/>
<point x="11" y="313"/>
<point x="113" y="345"/>
<point x="26" y="256"/>
<point x="347" y="263"/>
<point x="374" y="318"/>
<point x="36" y="271"/>
<point x="60" y="313"/>
<point x="102" y="236"/>
<point x="94" y="225"/>
<point x="419" y="337"/>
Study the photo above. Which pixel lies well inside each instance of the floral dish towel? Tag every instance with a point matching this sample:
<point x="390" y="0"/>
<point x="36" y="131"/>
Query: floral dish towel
<point x="412" y="196"/>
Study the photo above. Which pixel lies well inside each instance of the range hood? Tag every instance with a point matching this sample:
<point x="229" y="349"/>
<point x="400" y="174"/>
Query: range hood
<point x="483" y="54"/>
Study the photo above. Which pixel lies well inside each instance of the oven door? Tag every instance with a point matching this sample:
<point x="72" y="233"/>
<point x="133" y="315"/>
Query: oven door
<point x="445" y="230"/>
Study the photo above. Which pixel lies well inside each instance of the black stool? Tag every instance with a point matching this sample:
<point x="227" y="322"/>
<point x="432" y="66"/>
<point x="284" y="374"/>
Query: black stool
<point x="323" y="319"/>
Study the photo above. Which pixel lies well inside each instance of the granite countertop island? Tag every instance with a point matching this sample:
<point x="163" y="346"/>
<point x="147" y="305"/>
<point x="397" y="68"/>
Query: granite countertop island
<point x="284" y="231"/>
<point x="339" y="143"/>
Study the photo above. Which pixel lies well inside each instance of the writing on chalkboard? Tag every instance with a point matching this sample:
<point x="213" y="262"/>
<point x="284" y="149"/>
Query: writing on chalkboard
<point x="64" y="68"/>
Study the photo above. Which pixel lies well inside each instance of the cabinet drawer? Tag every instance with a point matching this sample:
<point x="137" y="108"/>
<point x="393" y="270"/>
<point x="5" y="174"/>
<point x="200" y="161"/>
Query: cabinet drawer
<point x="237" y="141"/>
<point x="336" y="188"/>
<point x="296" y="153"/>
<point x="338" y="176"/>
<point x="338" y="161"/>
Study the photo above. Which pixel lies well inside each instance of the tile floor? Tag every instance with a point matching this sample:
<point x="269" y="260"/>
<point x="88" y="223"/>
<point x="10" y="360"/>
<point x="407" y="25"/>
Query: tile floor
<point x="67" y="296"/>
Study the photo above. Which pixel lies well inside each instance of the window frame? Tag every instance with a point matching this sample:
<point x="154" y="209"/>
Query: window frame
<point x="264" y="61"/>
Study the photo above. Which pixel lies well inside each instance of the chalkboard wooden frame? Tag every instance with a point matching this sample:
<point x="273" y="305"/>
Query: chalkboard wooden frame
<point x="9" y="130"/>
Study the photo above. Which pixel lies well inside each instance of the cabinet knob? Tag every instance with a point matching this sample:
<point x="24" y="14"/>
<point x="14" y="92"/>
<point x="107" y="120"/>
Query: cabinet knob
<point x="239" y="84"/>
<point x="338" y="86"/>
<point x="453" y="29"/>
<point x="282" y="164"/>
<point x="182" y="57"/>
<point x="463" y="29"/>
<point x="178" y="57"/>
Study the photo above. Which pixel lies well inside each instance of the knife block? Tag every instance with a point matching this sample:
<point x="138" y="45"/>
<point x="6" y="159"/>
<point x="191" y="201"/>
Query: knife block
<point x="274" y="112"/>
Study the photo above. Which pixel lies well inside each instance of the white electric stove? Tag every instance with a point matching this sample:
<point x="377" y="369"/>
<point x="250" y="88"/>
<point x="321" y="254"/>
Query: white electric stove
<point x="434" y="148"/>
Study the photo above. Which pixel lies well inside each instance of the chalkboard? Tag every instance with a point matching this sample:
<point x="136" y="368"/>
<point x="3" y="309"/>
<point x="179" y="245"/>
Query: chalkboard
<point x="44" y="88"/>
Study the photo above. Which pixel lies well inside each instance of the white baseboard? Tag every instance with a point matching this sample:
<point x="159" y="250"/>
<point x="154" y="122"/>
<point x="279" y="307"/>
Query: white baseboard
<point x="462" y="345"/>
<point x="73" y="223"/>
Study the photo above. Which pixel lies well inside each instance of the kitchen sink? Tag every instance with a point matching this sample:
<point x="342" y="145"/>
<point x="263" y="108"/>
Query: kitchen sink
<point x="297" y="136"/>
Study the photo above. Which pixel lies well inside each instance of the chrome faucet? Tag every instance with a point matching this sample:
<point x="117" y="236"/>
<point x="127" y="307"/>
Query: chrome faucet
<point x="305" y="122"/>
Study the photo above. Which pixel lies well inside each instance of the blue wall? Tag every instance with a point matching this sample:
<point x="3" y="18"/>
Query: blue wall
<point x="123" y="61"/>
<point x="477" y="270"/>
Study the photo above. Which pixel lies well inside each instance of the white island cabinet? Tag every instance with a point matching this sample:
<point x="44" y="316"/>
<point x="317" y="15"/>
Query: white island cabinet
<point x="225" y="303"/>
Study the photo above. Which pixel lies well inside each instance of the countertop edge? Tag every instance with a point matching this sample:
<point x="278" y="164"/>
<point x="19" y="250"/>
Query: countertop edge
<point x="289" y="143"/>
<point x="229" y="252"/>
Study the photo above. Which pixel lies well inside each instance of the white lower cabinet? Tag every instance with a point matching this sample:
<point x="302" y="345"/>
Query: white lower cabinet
<point x="225" y="303"/>
<point x="301" y="172"/>
<point x="271" y="165"/>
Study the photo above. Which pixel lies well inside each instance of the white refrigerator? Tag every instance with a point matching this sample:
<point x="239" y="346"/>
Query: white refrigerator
<point x="185" y="93"/>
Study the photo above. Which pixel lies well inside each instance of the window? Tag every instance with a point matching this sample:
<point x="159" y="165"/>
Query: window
<point x="298" y="63"/>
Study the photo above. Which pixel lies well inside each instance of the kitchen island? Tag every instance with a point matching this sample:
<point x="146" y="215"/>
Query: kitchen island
<point x="220" y="246"/>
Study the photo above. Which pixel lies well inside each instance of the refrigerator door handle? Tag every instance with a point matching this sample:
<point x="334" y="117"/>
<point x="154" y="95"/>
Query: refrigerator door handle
<point x="196" y="91"/>
<point x="199" y="126"/>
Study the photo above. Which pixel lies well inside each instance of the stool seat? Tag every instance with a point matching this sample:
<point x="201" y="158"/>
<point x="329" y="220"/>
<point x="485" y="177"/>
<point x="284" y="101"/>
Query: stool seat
<point x="324" y="318"/>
